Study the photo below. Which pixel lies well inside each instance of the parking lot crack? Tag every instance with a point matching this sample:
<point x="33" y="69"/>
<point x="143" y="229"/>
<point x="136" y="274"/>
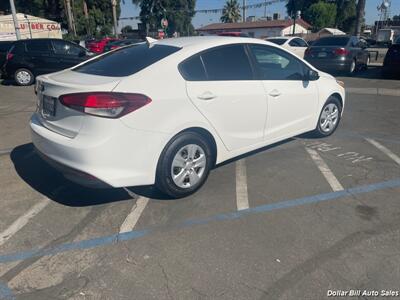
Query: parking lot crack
<point x="166" y="280"/>
<point x="74" y="232"/>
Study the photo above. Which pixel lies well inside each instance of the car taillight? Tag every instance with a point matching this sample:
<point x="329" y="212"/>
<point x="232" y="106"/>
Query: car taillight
<point x="342" y="51"/>
<point x="9" y="56"/>
<point x="105" y="104"/>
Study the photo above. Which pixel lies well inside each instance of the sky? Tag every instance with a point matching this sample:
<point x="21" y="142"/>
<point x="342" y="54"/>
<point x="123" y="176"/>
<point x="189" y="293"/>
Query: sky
<point x="201" y="19"/>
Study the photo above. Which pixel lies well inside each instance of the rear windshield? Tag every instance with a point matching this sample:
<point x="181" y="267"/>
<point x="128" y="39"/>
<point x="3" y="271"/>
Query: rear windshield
<point x="126" y="61"/>
<point x="277" y="41"/>
<point x="332" y="41"/>
<point x="5" y="46"/>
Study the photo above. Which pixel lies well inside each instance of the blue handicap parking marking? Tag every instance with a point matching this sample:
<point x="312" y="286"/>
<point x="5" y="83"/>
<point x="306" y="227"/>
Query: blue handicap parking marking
<point x="135" y="234"/>
<point x="5" y="292"/>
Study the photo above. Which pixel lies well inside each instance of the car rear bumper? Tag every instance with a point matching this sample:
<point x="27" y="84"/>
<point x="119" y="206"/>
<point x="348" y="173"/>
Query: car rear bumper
<point x="126" y="157"/>
<point x="330" y="65"/>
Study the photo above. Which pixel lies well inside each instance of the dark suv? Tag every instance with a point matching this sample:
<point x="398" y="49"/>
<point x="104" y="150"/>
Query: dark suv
<point x="4" y="48"/>
<point x="27" y="59"/>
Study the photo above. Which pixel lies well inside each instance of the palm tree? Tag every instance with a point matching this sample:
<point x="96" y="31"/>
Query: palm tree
<point x="231" y="12"/>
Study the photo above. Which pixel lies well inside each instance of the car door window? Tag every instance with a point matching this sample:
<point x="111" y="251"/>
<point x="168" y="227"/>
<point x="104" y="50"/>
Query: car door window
<point x="64" y="48"/>
<point x="227" y="63"/>
<point x="274" y="64"/>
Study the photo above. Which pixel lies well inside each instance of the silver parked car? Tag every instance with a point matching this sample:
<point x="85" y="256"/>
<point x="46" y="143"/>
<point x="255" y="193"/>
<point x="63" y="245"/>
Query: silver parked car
<point x="338" y="53"/>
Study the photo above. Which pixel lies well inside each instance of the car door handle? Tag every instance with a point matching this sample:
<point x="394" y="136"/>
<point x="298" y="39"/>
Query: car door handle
<point x="207" y="96"/>
<point x="275" y="93"/>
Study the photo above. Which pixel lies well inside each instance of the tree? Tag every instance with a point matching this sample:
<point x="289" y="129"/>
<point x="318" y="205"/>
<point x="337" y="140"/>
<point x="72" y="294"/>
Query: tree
<point x="100" y="13"/>
<point x="231" y="12"/>
<point x="346" y="15"/>
<point x="321" y="14"/>
<point x="179" y="14"/>
<point x="127" y="28"/>
<point x="359" y="16"/>
<point x="292" y="6"/>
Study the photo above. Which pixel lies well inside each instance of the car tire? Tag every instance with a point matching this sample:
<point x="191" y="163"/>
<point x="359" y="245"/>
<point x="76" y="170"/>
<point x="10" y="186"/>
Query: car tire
<point x="327" y="125"/>
<point x="24" y="77"/>
<point x="184" y="165"/>
<point x="352" y="68"/>
<point x="367" y="63"/>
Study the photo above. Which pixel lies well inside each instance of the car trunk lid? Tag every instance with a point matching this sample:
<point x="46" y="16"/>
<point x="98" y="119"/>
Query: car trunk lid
<point x="57" y="117"/>
<point x="325" y="52"/>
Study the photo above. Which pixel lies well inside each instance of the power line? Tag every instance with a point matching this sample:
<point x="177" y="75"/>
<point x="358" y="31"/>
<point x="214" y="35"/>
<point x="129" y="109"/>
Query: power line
<point x="215" y="10"/>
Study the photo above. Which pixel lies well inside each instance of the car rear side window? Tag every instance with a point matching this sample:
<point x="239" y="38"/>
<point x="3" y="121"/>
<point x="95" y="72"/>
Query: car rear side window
<point x="277" y="41"/>
<point x="227" y="63"/>
<point x="38" y="46"/>
<point x="126" y="61"/>
<point x="332" y="41"/>
<point x="192" y="69"/>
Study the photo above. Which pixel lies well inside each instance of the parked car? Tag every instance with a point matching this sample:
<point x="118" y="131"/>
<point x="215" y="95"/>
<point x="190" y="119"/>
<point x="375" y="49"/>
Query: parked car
<point x="106" y="120"/>
<point x="391" y="63"/>
<point x="338" y="53"/>
<point x="30" y="58"/>
<point x="234" y="33"/>
<point x="97" y="46"/>
<point x="295" y="44"/>
<point x="4" y="48"/>
<point x="121" y="43"/>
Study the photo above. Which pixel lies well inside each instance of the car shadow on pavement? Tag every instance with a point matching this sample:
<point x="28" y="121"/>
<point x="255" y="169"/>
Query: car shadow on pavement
<point x="8" y="82"/>
<point x="373" y="72"/>
<point x="52" y="184"/>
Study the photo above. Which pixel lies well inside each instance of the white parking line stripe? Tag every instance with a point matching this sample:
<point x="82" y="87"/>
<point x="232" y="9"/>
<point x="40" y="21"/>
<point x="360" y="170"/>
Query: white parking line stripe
<point x="134" y="215"/>
<point x="242" y="199"/>
<point x="323" y="167"/>
<point x="384" y="150"/>
<point x="22" y="221"/>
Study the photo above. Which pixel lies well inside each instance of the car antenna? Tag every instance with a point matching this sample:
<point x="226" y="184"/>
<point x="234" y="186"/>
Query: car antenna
<point x="149" y="41"/>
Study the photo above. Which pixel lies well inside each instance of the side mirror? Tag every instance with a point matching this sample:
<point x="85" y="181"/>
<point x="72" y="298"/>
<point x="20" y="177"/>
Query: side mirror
<point x="311" y="75"/>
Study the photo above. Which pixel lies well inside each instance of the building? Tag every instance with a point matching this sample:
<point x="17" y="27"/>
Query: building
<point x="329" y="32"/>
<point x="258" y="29"/>
<point x="30" y="27"/>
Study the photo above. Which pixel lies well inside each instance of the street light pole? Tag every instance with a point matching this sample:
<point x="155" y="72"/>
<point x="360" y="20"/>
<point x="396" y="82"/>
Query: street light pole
<point x="15" y="19"/>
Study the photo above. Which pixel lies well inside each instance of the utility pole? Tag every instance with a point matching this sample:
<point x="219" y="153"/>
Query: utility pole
<point x="71" y="25"/>
<point x="360" y="16"/>
<point x="114" y="11"/>
<point x="85" y="11"/>
<point x="244" y="10"/>
<point x="265" y="9"/>
<point x="15" y="19"/>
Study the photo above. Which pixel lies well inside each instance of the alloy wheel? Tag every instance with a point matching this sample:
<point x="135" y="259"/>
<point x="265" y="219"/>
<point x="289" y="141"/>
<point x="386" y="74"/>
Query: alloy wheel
<point x="188" y="166"/>
<point x="329" y="117"/>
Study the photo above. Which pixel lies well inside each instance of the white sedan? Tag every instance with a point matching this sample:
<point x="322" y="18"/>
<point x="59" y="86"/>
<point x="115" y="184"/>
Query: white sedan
<point x="165" y="112"/>
<point x="294" y="44"/>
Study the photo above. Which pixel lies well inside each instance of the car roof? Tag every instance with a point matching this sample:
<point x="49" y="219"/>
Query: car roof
<point x="204" y="42"/>
<point x="39" y="39"/>
<point x="281" y="37"/>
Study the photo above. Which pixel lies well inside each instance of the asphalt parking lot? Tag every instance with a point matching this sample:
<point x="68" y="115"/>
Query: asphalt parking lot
<point x="293" y="221"/>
